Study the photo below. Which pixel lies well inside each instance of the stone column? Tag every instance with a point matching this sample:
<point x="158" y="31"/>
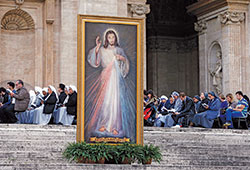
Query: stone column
<point x="49" y="43"/>
<point x="139" y="9"/>
<point x="233" y="34"/>
<point x="201" y="28"/>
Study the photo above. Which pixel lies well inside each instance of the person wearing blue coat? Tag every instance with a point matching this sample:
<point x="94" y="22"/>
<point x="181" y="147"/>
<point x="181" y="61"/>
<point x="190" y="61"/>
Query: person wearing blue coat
<point x="206" y="119"/>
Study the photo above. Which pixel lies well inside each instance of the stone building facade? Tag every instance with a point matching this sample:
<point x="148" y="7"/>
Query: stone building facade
<point x="198" y="45"/>
<point x="191" y="45"/>
<point x="223" y="26"/>
<point x="38" y="38"/>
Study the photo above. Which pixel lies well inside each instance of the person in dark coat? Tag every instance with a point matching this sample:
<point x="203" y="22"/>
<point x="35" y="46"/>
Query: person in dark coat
<point x="5" y="96"/>
<point x="62" y="95"/>
<point x="20" y="102"/>
<point x="5" y="103"/>
<point x="72" y="102"/>
<point x="70" y="113"/>
<point x="188" y="109"/>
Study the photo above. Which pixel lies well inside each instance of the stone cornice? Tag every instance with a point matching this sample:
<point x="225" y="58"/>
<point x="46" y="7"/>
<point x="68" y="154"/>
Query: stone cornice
<point x="139" y="10"/>
<point x="19" y="2"/>
<point x="231" y="17"/>
<point x="203" y="7"/>
<point x="200" y="26"/>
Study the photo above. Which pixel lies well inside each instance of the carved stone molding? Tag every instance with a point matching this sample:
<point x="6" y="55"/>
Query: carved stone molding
<point x="139" y="9"/>
<point x="19" y="2"/>
<point x="200" y="26"/>
<point x="17" y="19"/>
<point x="231" y="17"/>
<point x="49" y="21"/>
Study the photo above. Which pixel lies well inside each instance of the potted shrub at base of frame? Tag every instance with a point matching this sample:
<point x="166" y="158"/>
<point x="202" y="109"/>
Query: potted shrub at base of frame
<point x="151" y="152"/>
<point x="112" y="154"/>
<point x="127" y="153"/>
<point x="86" y="153"/>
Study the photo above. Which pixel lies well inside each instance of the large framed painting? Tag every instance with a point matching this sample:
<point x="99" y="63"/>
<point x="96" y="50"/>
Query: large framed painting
<point x="110" y="80"/>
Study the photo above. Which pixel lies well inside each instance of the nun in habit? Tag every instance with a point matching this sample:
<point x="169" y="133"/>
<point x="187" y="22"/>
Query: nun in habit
<point x="36" y="104"/>
<point x="32" y="98"/>
<point x="39" y="97"/>
<point x="44" y="113"/>
<point x="70" y="113"/>
<point x="60" y="111"/>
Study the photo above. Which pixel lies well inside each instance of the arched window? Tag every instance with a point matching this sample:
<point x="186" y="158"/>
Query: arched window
<point x="17" y="19"/>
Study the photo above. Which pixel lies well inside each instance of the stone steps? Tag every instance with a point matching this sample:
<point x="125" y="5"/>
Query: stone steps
<point x="40" y="147"/>
<point x="114" y="167"/>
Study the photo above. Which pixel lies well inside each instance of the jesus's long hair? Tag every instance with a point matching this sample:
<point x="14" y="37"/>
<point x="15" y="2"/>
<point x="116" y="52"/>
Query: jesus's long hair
<point x="106" y="43"/>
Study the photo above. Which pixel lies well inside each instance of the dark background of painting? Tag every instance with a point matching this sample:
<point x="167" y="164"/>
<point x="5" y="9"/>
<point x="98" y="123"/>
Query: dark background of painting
<point x="127" y="36"/>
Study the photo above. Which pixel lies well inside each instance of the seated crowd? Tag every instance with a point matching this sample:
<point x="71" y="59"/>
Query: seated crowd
<point x="41" y="106"/>
<point x="180" y="110"/>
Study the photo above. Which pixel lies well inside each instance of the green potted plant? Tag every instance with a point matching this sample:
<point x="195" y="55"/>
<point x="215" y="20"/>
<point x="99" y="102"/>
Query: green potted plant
<point x="151" y="152"/>
<point x="112" y="154"/>
<point x="126" y="153"/>
<point x="77" y="152"/>
<point x="139" y="153"/>
<point x="100" y="153"/>
<point x="86" y="153"/>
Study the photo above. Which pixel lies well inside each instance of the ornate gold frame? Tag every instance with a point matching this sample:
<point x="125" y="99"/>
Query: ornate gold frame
<point x="81" y="68"/>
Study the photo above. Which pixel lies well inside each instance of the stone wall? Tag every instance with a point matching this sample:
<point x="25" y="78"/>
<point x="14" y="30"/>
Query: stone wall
<point x="21" y="49"/>
<point x="49" y="50"/>
<point x="173" y="65"/>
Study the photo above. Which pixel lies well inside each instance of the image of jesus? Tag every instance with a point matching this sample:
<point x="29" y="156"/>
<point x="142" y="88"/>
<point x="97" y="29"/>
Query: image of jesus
<point x="112" y="108"/>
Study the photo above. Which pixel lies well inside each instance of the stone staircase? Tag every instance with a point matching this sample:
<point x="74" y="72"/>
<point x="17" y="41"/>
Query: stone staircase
<point x="35" y="147"/>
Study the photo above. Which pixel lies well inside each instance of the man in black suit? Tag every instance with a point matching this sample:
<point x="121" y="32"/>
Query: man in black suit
<point x="188" y="109"/>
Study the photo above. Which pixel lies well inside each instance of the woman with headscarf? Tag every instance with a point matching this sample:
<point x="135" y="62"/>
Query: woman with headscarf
<point x="197" y="102"/>
<point x="38" y="107"/>
<point x="71" y="105"/>
<point x="58" y="114"/>
<point x="32" y="98"/>
<point x="206" y="119"/>
<point x="39" y="97"/>
<point x="45" y="93"/>
<point x="48" y="107"/>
